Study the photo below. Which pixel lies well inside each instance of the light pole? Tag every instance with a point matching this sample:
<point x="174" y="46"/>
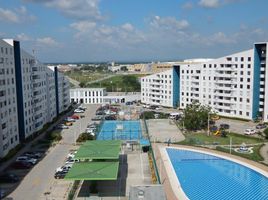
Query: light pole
<point x="208" y="133"/>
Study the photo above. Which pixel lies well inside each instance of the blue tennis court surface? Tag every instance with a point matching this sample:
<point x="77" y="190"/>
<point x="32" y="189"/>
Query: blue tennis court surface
<point x="120" y="130"/>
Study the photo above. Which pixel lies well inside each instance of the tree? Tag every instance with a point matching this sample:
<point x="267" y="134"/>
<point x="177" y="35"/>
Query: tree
<point x="195" y="116"/>
<point x="124" y="68"/>
<point x="82" y="84"/>
<point x="266" y="133"/>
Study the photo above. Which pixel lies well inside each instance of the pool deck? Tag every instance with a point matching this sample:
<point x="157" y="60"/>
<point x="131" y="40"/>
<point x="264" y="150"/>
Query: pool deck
<point x="168" y="176"/>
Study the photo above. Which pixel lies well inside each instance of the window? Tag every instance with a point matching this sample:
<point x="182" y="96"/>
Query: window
<point x="241" y="86"/>
<point x="248" y="86"/>
<point x="242" y="59"/>
<point x="242" y="66"/>
<point x="249" y="59"/>
<point x="248" y="80"/>
<point x="249" y="65"/>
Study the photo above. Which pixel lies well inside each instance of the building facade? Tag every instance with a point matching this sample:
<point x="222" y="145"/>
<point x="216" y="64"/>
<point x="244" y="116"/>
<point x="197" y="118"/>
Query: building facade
<point x="28" y="95"/>
<point x="234" y="86"/>
<point x="161" y="88"/>
<point x="87" y="95"/>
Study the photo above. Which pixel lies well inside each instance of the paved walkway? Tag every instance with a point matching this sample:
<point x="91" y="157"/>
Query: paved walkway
<point x="74" y="82"/>
<point x="264" y="153"/>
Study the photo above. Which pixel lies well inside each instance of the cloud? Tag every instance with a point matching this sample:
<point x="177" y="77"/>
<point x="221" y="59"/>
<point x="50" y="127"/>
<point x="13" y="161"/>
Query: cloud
<point x="75" y="9"/>
<point x="46" y="41"/>
<point x="8" y="15"/>
<point x="209" y="3"/>
<point x="23" y="37"/>
<point x="17" y="15"/>
<point x="188" y="5"/>
<point x="169" y="23"/>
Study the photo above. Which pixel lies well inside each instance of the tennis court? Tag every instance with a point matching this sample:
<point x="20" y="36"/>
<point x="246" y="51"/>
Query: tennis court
<point x="120" y="130"/>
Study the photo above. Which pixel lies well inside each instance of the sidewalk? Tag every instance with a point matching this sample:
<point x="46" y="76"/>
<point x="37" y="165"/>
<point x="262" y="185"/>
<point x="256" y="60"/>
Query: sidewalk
<point x="28" y="145"/>
<point x="264" y="153"/>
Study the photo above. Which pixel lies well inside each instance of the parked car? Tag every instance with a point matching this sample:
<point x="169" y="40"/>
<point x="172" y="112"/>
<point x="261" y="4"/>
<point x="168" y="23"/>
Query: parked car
<point x="100" y="113"/>
<point x="153" y="107"/>
<point x="82" y="108"/>
<point x="61" y="126"/>
<point x="90" y="131"/>
<point x="94" y="125"/>
<point x="68" y="123"/>
<point x="249" y="131"/>
<point x="21" y="165"/>
<point x="224" y="126"/>
<point x="9" y="178"/>
<point x="75" y="117"/>
<point x="128" y="103"/>
<point x="2" y="193"/>
<point x="60" y="174"/>
<point x="97" y="118"/>
<point x="35" y="155"/>
<point x="78" y="111"/>
<point x="110" y="117"/>
<point x="261" y="126"/>
<point x="26" y="159"/>
<point x="71" y="155"/>
<point x="213" y="128"/>
<point x="69" y="119"/>
<point x="71" y="161"/>
<point x="64" y="168"/>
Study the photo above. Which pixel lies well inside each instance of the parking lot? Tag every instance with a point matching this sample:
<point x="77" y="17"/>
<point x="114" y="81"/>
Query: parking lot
<point x="237" y="126"/>
<point x="39" y="181"/>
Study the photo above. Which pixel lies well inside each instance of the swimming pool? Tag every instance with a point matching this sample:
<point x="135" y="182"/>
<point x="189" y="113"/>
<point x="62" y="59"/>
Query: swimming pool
<point x="208" y="177"/>
<point x="131" y="130"/>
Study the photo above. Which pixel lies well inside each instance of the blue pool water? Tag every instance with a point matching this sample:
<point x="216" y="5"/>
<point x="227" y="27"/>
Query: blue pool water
<point x="131" y="130"/>
<point x="207" y="177"/>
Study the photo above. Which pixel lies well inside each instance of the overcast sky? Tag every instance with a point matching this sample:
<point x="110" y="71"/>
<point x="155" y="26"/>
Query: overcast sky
<point x="133" y="30"/>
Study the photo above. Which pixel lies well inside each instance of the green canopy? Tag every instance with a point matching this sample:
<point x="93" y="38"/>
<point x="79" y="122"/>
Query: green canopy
<point x="99" y="149"/>
<point x="102" y="142"/>
<point x="93" y="171"/>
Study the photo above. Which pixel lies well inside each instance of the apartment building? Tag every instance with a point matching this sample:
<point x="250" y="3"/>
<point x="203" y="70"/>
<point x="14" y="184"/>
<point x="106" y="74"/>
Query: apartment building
<point x="9" y="128"/>
<point x="28" y="95"/>
<point x="161" y="88"/>
<point x="234" y="86"/>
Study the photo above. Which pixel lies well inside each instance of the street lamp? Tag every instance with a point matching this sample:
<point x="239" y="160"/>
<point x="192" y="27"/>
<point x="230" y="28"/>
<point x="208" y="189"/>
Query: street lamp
<point x="208" y="133"/>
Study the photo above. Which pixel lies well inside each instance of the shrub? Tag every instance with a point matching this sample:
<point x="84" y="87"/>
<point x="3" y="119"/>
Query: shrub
<point x="266" y="133"/>
<point x="54" y="136"/>
<point x="85" y="136"/>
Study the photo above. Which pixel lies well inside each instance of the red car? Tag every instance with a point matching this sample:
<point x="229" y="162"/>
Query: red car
<point x="21" y="165"/>
<point x="75" y="117"/>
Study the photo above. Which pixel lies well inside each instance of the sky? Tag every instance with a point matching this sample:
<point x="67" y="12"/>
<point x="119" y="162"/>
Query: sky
<point x="133" y="30"/>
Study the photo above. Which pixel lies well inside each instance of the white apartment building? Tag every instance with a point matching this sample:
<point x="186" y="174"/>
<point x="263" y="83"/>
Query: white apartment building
<point x="87" y="95"/>
<point x="234" y="86"/>
<point x="28" y="95"/>
<point x="161" y="88"/>
<point x="9" y="131"/>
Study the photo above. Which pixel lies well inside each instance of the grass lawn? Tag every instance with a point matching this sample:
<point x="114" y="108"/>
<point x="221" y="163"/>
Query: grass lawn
<point x="120" y="83"/>
<point x="203" y="139"/>
<point x="252" y="156"/>
<point x="83" y="76"/>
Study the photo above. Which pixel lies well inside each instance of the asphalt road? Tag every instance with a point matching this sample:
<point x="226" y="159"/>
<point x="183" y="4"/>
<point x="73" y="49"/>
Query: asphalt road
<point x="40" y="179"/>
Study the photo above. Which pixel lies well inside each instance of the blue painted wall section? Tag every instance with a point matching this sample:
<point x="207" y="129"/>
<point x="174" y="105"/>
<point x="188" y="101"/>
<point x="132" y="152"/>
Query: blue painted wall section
<point x="176" y="86"/>
<point x="19" y="90"/>
<point x="256" y="81"/>
<point x="56" y="89"/>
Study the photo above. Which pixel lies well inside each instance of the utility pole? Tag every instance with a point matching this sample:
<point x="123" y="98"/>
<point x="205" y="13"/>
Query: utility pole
<point x="208" y="133"/>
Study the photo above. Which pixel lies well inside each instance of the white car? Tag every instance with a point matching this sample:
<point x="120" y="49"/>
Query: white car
<point x="71" y="155"/>
<point x="64" y="168"/>
<point x="26" y="159"/>
<point x="78" y="111"/>
<point x="249" y="131"/>
<point x="71" y="161"/>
